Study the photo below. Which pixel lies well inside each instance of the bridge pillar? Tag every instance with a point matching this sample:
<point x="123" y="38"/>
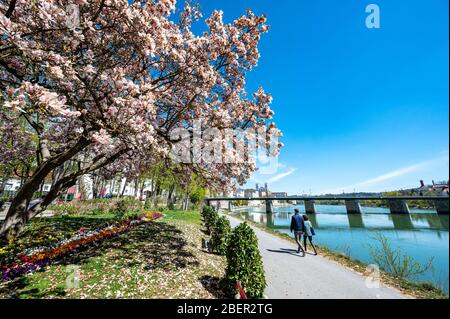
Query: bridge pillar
<point x="402" y="221"/>
<point x="353" y="206"/>
<point x="269" y="206"/>
<point x="310" y="206"/>
<point x="313" y="219"/>
<point x="270" y="222"/>
<point x="444" y="221"/>
<point x="230" y="205"/>
<point x="208" y="202"/>
<point x="355" y="220"/>
<point x="398" y="206"/>
<point x="442" y="206"/>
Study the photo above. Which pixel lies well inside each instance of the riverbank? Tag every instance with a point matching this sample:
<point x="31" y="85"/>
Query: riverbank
<point x="415" y="290"/>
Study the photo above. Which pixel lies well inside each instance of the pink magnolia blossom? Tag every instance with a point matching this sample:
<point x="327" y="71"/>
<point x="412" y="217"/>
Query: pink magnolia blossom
<point x="111" y="90"/>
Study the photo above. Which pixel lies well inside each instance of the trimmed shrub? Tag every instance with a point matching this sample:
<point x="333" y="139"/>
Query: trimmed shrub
<point x="209" y="216"/>
<point x="220" y="235"/>
<point x="90" y="206"/>
<point x="67" y="208"/>
<point x="205" y="211"/>
<point x="244" y="264"/>
<point x="121" y="208"/>
<point x="125" y="205"/>
<point x="148" y="204"/>
<point x="171" y="206"/>
<point x="98" y="210"/>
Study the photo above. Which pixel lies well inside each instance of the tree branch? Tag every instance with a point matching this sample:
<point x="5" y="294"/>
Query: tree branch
<point x="12" y="6"/>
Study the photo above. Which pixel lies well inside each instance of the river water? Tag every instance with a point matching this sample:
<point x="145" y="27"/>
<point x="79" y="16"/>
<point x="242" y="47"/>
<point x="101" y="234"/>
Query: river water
<point x="422" y="235"/>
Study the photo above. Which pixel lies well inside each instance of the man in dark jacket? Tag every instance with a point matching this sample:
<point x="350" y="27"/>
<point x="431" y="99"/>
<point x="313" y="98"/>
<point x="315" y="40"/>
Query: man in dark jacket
<point x="298" y="226"/>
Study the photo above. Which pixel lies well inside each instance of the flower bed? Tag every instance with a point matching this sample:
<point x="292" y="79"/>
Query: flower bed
<point x="36" y="258"/>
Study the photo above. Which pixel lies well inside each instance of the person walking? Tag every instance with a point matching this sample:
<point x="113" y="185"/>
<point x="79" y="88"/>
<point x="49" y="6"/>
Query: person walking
<point x="298" y="227"/>
<point x="309" y="233"/>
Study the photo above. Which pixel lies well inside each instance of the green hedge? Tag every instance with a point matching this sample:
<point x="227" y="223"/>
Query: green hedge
<point x="244" y="264"/>
<point x="209" y="216"/>
<point x="220" y="235"/>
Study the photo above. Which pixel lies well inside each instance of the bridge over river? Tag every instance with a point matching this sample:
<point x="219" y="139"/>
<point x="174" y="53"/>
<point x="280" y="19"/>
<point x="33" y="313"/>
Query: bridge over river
<point x="397" y="204"/>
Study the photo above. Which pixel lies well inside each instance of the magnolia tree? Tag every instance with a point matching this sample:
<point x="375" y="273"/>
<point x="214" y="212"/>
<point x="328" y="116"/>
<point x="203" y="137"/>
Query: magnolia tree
<point x="86" y="85"/>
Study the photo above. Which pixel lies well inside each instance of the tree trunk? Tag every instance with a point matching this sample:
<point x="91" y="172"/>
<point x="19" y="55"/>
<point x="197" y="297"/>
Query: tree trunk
<point x="20" y="213"/>
<point x="124" y="187"/>
<point x="113" y="186"/>
<point x="141" y="194"/>
<point x="170" y="196"/>
<point x="155" y="194"/>
<point x="136" y="187"/>
<point x="186" y="202"/>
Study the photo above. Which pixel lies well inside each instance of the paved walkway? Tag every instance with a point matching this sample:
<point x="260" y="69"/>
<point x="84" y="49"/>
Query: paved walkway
<point x="3" y="212"/>
<point x="290" y="276"/>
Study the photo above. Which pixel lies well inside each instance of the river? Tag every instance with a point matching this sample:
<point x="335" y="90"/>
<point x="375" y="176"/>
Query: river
<point x="422" y="235"/>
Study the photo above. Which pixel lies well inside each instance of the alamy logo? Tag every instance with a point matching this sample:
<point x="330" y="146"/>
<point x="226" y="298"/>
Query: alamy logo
<point x="212" y="145"/>
<point x="73" y="16"/>
<point x="372" y="276"/>
<point x="73" y="278"/>
<point x="373" y="19"/>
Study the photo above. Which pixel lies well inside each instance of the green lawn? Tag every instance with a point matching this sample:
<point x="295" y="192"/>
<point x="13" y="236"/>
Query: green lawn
<point x="191" y="216"/>
<point x="160" y="259"/>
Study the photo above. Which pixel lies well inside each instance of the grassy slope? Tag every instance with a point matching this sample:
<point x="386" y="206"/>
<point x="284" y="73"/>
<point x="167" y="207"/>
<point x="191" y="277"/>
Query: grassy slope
<point x="161" y="259"/>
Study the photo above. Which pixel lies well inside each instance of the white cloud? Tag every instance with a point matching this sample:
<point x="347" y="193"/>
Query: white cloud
<point x="280" y="176"/>
<point x="274" y="178"/>
<point x="389" y="176"/>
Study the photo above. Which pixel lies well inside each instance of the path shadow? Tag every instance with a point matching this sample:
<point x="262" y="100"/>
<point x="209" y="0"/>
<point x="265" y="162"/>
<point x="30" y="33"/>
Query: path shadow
<point x="212" y="284"/>
<point x="287" y="251"/>
<point x="11" y="290"/>
<point x="157" y="245"/>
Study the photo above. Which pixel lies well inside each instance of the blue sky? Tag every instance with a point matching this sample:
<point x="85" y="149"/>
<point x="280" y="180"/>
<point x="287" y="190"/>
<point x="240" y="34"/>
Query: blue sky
<point x="361" y="109"/>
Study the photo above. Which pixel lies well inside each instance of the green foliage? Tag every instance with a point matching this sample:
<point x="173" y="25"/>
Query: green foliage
<point x="171" y="206"/>
<point x="220" y="235"/>
<point x="98" y="210"/>
<point x="197" y="195"/>
<point x="99" y="206"/>
<point x="191" y="216"/>
<point x="91" y="206"/>
<point x="239" y="203"/>
<point x="209" y="216"/>
<point x="125" y="205"/>
<point x="70" y="208"/>
<point x="394" y="261"/>
<point x="148" y="203"/>
<point x="244" y="264"/>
